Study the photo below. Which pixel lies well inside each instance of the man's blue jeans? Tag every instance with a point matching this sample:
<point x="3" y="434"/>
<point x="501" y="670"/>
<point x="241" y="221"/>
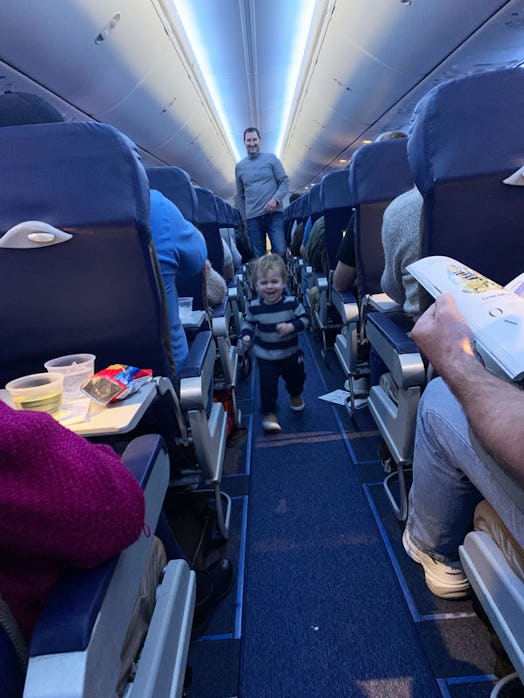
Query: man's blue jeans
<point x="273" y="225"/>
<point x="449" y="479"/>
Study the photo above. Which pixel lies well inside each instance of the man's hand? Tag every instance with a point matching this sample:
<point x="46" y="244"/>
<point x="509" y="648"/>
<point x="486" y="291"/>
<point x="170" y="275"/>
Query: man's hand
<point x="444" y="336"/>
<point x="271" y="206"/>
<point x="285" y="328"/>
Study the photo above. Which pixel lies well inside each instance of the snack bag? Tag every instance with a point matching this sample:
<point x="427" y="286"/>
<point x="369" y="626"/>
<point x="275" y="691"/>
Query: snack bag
<point x="115" y="383"/>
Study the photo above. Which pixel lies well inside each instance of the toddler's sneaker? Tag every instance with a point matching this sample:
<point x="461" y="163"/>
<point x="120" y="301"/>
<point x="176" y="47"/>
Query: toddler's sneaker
<point x="270" y="423"/>
<point x="445" y="580"/>
<point x="297" y="403"/>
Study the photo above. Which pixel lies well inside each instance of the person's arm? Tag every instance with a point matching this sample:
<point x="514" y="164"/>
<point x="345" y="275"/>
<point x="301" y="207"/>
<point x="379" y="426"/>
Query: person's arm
<point x="345" y="273"/>
<point x="282" y="181"/>
<point x="344" y="277"/>
<point x="63" y="497"/>
<point x="241" y="195"/>
<point x="494" y="407"/>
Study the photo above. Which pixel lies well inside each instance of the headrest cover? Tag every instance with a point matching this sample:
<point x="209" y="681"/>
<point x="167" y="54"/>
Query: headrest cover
<point x="19" y="108"/>
<point x="223" y="218"/>
<point x="467" y="127"/>
<point x="334" y="190"/>
<point x="379" y="172"/>
<point x="315" y="202"/>
<point x="175" y="184"/>
<point x="54" y="173"/>
<point x="207" y="207"/>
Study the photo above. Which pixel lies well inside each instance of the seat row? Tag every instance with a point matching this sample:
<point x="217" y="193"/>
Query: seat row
<point x="464" y="140"/>
<point x="98" y="289"/>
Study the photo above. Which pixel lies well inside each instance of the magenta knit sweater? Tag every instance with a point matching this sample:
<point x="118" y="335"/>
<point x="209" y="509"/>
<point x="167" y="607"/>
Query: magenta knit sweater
<point x="63" y="502"/>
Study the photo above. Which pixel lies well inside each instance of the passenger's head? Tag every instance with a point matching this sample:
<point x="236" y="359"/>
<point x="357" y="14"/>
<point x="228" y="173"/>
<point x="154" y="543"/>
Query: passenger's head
<point x="252" y="140"/>
<point x="390" y="135"/>
<point x="19" y="108"/>
<point x="270" y="277"/>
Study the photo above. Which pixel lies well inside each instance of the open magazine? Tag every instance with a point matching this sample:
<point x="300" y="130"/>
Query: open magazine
<point x="495" y="313"/>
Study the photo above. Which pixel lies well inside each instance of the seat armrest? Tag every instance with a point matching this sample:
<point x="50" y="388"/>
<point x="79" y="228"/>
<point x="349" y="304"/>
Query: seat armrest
<point x="196" y="377"/>
<point x="67" y="620"/>
<point x="394" y="327"/>
<point x="196" y="357"/>
<point x="345" y="304"/>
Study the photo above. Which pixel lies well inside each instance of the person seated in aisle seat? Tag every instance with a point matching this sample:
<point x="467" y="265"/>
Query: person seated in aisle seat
<point x="449" y="477"/>
<point x="178" y="245"/>
<point x="345" y="273"/>
<point x="231" y="254"/>
<point x="401" y="233"/>
<point x="216" y="287"/>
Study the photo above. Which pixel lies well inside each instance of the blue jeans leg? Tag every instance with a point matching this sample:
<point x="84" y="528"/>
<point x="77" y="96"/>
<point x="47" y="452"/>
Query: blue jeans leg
<point x="449" y="479"/>
<point x="275" y="230"/>
<point x="273" y="225"/>
<point x="257" y="235"/>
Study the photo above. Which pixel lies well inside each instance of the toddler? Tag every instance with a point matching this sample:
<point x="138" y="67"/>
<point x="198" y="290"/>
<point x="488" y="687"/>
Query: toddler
<point x="274" y="320"/>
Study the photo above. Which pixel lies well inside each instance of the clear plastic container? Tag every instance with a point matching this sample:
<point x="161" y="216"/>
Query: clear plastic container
<point x="39" y="391"/>
<point x="76" y="370"/>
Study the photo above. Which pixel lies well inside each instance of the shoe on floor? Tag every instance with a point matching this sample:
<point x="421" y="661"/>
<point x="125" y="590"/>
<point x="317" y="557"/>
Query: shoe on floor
<point x="270" y="423"/>
<point x="445" y="580"/>
<point x="297" y="403"/>
<point x="212" y="585"/>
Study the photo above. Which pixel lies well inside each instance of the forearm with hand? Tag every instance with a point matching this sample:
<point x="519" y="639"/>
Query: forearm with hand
<point x="494" y="407"/>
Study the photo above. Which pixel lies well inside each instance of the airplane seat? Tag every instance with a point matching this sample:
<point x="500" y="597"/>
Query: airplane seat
<point x="98" y="290"/>
<point x="465" y="140"/>
<point x="380" y="172"/>
<point x="466" y="137"/>
<point x="337" y="210"/>
<point x="78" y="641"/>
<point x="208" y="224"/>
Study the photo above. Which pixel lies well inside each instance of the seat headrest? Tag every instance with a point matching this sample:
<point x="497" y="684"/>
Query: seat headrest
<point x="175" y="184"/>
<point x="315" y="202"/>
<point x="468" y="127"/>
<point x="379" y="172"/>
<point x="54" y="173"/>
<point x="223" y="217"/>
<point x="207" y="206"/>
<point x="334" y="190"/>
<point x="19" y="108"/>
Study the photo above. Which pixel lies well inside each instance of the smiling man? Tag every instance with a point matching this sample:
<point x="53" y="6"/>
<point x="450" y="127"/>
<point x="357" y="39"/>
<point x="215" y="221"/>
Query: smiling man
<point x="262" y="184"/>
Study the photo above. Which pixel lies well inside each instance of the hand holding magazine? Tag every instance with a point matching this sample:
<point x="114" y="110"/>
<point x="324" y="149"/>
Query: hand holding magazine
<point x="494" y="313"/>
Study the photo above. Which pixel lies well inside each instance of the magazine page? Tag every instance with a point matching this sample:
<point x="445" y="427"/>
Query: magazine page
<point x="495" y="314"/>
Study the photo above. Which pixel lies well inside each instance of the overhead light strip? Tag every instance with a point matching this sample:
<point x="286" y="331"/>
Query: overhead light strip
<point x="190" y="24"/>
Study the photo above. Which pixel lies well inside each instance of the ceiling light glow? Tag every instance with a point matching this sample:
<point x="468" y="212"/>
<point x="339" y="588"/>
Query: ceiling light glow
<point x="304" y="15"/>
<point x="190" y="24"/>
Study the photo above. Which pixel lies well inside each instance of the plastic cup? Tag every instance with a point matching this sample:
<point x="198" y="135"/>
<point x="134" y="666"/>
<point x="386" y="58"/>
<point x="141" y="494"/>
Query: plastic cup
<point x="75" y="369"/>
<point x="185" y="308"/>
<point x="39" y="391"/>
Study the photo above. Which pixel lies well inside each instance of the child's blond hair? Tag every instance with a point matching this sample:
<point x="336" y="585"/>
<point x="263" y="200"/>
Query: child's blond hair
<point x="267" y="262"/>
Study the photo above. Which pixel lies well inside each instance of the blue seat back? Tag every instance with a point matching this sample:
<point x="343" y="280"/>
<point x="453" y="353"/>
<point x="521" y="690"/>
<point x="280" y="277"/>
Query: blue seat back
<point x="379" y="172"/>
<point x="175" y="184"/>
<point x="222" y="213"/>
<point x="101" y="290"/>
<point x="336" y="209"/>
<point x="315" y="202"/>
<point x="466" y="137"/>
<point x="208" y="224"/>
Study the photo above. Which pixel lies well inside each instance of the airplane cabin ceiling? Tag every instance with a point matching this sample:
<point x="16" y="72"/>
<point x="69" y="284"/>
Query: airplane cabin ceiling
<point x="365" y="65"/>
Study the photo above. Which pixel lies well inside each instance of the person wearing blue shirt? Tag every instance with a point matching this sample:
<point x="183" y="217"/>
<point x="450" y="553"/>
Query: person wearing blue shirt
<point x="178" y="245"/>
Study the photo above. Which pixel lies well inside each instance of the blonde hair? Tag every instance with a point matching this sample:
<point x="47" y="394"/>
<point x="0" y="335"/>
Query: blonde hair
<point x="270" y="261"/>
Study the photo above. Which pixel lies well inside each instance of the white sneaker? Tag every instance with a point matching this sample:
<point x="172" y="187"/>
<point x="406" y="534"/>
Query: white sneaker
<point x="270" y="423"/>
<point x="445" y="580"/>
<point x="297" y="403"/>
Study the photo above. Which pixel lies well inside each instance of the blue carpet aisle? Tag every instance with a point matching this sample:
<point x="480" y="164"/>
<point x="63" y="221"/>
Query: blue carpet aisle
<point x="322" y="612"/>
<point x="325" y="602"/>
